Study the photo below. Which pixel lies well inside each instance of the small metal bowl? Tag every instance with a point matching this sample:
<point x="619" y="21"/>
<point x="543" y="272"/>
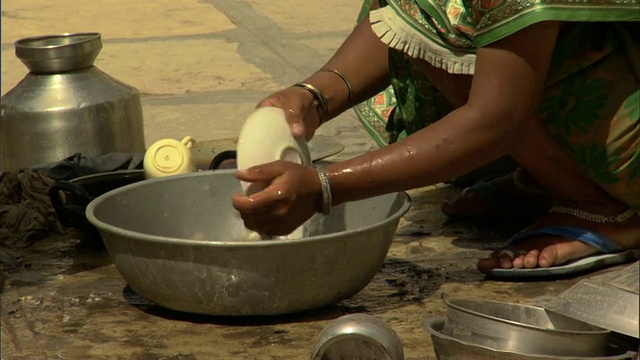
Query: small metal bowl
<point x="357" y="336"/>
<point x="450" y="348"/>
<point x="522" y="328"/>
<point x="52" y="54"/>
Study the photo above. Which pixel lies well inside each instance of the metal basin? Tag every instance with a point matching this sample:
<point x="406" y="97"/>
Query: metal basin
<point x="449" y="348"/>
<point x="522" y="328"/>
<point x="178" y="242"/>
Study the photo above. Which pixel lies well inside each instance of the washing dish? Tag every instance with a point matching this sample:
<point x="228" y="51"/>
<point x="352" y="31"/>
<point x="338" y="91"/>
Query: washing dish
<point x="357" y="336"/>
<point x="265" y="137"/>
<point x="522" y="328"/>
<point x="178" y="242"/>
<point x="447" y="347"/>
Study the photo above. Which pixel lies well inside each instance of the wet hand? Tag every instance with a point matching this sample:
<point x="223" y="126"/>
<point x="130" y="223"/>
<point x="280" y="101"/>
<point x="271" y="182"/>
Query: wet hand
<point x="290" y="199"/>
<point x="300" y="109"/>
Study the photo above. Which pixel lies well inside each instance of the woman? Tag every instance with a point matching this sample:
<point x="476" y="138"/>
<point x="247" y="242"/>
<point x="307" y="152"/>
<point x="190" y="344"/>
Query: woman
<point x="553" y="84"/>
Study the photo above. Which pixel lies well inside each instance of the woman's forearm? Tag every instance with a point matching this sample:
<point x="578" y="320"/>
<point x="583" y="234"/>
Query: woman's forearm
<point x="501" y="108"/>
<point x="453" y="146"/>
<point x="363" y="60"/>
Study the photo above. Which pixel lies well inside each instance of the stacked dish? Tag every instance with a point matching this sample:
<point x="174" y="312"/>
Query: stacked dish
<point x="490" y="330"/>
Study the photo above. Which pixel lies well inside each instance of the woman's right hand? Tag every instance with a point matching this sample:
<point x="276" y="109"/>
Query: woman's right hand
<point x="300" y="108"/>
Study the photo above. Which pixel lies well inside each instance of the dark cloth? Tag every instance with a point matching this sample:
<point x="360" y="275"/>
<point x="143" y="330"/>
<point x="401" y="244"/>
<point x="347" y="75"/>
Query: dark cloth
<point x="78" y="165"/>
<point x="26" y="213"/>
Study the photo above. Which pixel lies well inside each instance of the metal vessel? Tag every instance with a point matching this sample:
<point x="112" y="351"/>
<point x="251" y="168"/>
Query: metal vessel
<point x="448" y="347"/>
<point x="178" y="242"/>
<point x="522" y="328"/>
<point x="357" y="336"/>
<point x="66" y="105"/>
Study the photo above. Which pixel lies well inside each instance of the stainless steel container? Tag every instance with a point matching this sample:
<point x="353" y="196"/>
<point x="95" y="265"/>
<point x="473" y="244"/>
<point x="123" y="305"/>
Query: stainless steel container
<point x="178" y="242"/>
<point x="447" y="347"/>
<point x="522" y="328"/>
<point x="65" y="105"/>
<point x="357" y="336"/>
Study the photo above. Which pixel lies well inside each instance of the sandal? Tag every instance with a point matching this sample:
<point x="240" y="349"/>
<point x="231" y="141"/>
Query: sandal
<point x="611" y="254"/>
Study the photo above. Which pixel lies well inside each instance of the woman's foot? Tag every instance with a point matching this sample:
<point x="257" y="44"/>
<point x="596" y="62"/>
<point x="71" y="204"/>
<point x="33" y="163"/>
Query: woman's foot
<point x="548" y="251"/>
<point x="515" y="195"/>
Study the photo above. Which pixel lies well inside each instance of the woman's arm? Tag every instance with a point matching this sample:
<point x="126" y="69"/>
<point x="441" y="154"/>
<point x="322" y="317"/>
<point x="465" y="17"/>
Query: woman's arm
<point x="504" y="96"/>
<point x="363" y="60"/>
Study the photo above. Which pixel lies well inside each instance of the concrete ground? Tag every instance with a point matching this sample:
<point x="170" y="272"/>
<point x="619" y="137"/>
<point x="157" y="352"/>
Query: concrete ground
<point x="201" y="67"/>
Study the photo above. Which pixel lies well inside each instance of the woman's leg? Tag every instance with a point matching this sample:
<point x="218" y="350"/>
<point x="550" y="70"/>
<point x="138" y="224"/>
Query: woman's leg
<point x="595" y="113"/>
<point x="545" y="159"/>
<point x="514" y="195"/>
<point x="549" y="162"/>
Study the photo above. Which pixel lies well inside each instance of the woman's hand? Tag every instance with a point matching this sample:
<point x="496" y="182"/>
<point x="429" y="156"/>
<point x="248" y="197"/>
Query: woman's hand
<point x="300" y="108"/>
<point x="292" y="197"/>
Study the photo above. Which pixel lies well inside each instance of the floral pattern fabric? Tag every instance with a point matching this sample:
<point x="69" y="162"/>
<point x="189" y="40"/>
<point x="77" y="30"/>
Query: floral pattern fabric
<point x="591" y="102"/>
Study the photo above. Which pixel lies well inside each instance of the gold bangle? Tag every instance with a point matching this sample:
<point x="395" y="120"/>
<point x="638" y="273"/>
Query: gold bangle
<point x="344" y="78"/>
<point x="319" y="97"/>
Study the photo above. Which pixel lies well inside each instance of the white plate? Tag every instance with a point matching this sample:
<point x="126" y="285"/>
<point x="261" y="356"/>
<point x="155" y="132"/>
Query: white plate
<point x="266" y="137"/>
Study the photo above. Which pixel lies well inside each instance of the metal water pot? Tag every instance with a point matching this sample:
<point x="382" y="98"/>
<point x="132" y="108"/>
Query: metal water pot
<point x="66" y="105"/>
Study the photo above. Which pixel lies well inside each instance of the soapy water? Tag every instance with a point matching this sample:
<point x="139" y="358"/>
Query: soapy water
<point x="234" y="230"/>
<point x="316" y="225"/>
<point x="312" y="227"/>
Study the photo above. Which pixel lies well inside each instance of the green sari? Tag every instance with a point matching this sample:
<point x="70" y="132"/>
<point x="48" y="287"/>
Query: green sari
<point x="591" y="102"/>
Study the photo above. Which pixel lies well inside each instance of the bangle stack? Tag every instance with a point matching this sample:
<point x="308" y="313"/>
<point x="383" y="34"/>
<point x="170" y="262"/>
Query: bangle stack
<point x="326" y="190"/>
<point x="322" y="103"/>
<point x="323" y="107"/>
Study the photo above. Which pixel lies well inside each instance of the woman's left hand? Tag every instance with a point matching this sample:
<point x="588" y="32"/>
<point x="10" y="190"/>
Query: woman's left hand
<point x="290" y="199"/>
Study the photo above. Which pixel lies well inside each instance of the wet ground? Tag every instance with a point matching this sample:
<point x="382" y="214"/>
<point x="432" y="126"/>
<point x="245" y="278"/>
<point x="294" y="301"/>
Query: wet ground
<point x="64" y="299"/>
<point x="201" y="67"/>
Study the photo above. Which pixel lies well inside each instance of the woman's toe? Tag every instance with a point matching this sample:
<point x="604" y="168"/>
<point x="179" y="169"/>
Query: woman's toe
<point x="488" y="263"/>
<point x="505" y="259"/>
<point x="518" y="261"/>
<point x="549" y="257"/>
<point x="531" y="259"/>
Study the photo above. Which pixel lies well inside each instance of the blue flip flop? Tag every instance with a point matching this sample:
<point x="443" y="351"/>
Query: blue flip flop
<point x="612" y="254"/>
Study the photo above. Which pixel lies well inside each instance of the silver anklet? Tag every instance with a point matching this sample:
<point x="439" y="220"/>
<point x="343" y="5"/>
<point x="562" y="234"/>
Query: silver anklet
<point x="589" y="216"/>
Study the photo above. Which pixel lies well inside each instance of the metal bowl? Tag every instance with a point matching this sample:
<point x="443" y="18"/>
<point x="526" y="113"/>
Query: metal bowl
<point x="52" y="54"/>
<point x="522" y="328"/>
<point x="357" y="336"/>
<point x="449" y="348"/>
<point x="178" y="242"/>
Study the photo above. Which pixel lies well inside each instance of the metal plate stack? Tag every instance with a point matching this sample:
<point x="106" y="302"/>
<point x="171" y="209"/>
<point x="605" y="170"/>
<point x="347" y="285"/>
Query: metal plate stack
<point x="596" y="319"/>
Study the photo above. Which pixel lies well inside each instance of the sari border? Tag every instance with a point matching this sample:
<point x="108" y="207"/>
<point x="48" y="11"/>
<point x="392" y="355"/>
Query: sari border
<point x="368" y="118"/>
<point x="400" y="34"/>
<point x="548" y="12"/>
